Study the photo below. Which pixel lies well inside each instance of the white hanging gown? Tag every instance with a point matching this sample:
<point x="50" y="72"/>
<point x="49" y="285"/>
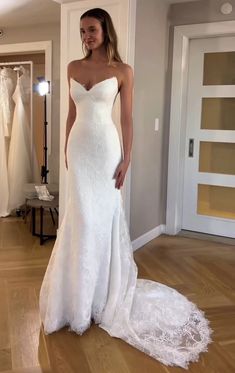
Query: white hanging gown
<point x="19" y="162"/>
<point x="91" y="273"/>
<point x="7" y="86"/>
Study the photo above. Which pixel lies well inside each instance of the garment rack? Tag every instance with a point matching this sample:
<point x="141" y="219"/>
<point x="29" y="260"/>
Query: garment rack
<point x="17" y="63"/>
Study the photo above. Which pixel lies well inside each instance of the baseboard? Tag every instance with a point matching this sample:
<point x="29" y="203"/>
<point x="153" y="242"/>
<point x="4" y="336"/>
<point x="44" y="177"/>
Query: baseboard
<point x="148" y="236"/>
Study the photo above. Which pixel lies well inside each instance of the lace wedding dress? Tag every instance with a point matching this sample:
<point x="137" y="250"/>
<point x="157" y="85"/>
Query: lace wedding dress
<point x="91" y="273"/>
<point x="19" y="162"/>
<point x="7" y="86"/>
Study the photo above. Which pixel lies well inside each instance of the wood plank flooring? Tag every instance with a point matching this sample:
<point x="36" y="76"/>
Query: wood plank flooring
<point x="200" y="269"/>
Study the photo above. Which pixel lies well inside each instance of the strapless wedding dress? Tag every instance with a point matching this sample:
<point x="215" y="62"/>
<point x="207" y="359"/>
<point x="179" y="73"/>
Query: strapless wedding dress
<point x="19" y="161"/>
<point x="7" y="86"/>
<point x="91" y="275"/>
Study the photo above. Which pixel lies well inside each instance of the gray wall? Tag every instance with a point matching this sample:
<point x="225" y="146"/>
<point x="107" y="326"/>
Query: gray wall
<point x="35" y="33"/>
<point x="148" y="173"/>
<point x="199" y="12"/>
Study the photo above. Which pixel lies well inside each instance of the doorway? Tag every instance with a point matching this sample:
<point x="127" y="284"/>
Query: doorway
<point x="35" y="107"/>
<point x="35" y="61"/>
<point x="179" y="145"/>
<point x="209" y="169"/>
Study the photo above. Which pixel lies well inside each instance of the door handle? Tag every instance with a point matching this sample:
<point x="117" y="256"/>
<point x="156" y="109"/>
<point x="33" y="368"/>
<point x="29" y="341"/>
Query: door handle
<point x="191" y="148"/>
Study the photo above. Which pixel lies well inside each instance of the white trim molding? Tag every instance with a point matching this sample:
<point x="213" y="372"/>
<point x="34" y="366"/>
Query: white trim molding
<point x="148" y="236"/>
<point x="182" y="37"/>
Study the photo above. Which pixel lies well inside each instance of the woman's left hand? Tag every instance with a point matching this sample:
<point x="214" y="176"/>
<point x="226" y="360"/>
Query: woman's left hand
<point x="120" y="173"/>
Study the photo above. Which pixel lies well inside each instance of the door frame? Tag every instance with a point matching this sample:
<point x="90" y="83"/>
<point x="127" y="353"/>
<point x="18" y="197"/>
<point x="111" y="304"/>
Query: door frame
<point x="44" y="46"/>
<point x="177" y="132"/>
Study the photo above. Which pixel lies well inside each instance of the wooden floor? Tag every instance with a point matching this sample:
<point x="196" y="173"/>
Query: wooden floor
<point x="202" y="270"/>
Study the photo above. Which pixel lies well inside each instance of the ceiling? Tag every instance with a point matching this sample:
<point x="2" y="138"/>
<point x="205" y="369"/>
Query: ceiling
<point x="179" y="1"/>
<point x="168" y="1"/>
<point x="14" y="13"/>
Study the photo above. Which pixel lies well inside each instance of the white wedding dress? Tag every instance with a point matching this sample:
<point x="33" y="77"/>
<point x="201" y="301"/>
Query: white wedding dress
<point x="7" y="86"/>
<point x="91" y="274"/>
<point x="19" y="161"/>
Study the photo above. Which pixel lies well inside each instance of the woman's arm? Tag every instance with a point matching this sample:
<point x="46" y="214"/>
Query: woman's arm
<point x="71" y="113"/>
<point x="126" y="96"/>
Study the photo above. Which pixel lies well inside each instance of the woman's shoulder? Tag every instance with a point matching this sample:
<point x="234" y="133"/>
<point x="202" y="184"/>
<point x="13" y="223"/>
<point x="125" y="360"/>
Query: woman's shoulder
<point x="125" y="71"/>
<point x="124" y="67"/>
<point x="75" y="63"/>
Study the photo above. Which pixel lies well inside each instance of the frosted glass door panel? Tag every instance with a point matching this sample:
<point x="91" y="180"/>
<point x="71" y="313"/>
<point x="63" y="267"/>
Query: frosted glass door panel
<point x="217" y="157"/>
<point x="216" y="201"/>
<point x="219" y="68"/>
<point x="218" y="113"/>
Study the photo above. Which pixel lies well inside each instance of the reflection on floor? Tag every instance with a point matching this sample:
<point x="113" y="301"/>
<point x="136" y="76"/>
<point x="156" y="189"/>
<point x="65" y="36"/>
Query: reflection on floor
<point x="202" y="270"/>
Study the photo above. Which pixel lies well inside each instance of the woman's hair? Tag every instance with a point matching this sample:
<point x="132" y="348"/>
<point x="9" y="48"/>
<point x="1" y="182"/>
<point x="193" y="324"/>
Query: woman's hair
<point x="110" y="36"/>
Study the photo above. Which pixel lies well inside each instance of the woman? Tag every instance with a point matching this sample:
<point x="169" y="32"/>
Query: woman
<point x="91" y="274"/>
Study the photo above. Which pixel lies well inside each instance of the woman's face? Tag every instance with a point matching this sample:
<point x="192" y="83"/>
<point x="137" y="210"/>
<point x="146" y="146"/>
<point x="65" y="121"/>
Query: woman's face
<point x="91" y="32"/>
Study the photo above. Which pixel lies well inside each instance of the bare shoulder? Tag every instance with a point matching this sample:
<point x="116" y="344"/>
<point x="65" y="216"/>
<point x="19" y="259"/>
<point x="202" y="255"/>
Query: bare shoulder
<point x="125" y="73"/>
<point x="125" y="70"/>
<point x="73" y="66"/>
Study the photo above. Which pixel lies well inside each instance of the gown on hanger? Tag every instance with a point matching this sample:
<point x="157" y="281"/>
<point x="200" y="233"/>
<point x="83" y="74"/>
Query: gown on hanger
<point x="19" y="162"/>
<point x="91" y="273"/>
<point x="7" y="86"/>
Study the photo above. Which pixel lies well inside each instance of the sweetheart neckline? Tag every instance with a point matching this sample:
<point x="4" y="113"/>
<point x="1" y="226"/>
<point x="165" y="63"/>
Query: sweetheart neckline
<point x="94" y="85"/>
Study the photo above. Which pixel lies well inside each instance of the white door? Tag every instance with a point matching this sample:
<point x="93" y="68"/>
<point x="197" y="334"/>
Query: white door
<point x="123" y="16"/>
<point x="209" y="174"/>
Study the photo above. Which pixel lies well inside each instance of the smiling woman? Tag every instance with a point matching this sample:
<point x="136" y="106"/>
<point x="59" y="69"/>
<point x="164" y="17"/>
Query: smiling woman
<point x="92" y="34"/>
<point x="91" y="275"/>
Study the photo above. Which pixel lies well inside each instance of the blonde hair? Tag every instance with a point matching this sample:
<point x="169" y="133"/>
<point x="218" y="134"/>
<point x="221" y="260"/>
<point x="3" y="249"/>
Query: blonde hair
<point x="110" y="36"/>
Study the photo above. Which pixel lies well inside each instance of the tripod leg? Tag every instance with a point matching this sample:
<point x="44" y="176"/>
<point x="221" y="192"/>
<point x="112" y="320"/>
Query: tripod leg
<point x="33" y="220"/>
<point x="41" y="225"/>
<point x="52" y="216"/>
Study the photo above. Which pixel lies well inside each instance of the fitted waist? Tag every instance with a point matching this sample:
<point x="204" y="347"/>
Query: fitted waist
<point x="93" y="119"/>
<point x="98" y="113"/>
<point x="91" y="124"/>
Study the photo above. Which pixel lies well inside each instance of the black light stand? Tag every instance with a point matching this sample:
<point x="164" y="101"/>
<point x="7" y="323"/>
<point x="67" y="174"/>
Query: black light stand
<point x="44" y="170"/>
<point x="43" y="90"/>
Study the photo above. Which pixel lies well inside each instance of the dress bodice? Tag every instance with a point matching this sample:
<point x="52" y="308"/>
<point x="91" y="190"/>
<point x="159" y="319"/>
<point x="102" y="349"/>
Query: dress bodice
<point x="7" y="86"/>
<point x="23" y="87"/>
<point x="9" y="75"/>
<point x="102" y="96"/>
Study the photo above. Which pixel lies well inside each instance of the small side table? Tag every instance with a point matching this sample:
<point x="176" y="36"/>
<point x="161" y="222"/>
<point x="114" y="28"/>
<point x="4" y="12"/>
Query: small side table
<point x="39" y="204"/>
<point x="32" y="201"/>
